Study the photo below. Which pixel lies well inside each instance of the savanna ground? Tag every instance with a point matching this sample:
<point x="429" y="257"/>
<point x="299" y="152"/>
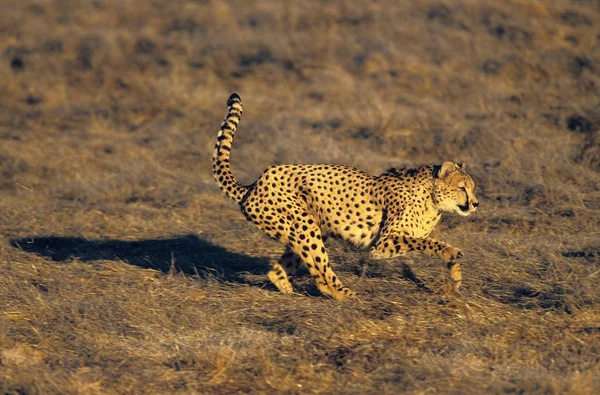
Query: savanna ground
<point x="123" y="268"/>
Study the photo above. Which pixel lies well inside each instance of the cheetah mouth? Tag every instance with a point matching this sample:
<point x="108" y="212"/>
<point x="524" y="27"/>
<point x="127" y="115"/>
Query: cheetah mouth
<point x="464" y="209"/>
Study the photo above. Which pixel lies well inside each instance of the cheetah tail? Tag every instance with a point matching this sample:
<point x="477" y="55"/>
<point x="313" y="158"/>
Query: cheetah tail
<point x="221" y="169"/>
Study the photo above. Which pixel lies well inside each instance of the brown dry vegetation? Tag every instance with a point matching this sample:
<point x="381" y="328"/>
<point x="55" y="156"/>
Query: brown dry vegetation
<point x="124" y="269"/>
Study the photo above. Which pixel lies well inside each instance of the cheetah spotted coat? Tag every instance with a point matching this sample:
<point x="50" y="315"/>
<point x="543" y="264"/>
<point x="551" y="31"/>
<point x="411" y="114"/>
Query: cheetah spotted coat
<point x="300" y="205"/>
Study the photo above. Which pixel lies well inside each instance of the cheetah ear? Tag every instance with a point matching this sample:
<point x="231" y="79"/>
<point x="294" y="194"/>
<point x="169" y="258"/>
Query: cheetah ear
<point x="447" y="168"/>
<point x="461" y="165"/>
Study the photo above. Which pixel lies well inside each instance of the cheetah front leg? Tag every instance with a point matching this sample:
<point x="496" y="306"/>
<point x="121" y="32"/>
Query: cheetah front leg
<point x="283" y="269"/>
<point x="395" y="245"/>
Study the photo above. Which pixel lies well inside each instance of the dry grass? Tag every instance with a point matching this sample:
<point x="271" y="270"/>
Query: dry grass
<point x="124" y="269"/>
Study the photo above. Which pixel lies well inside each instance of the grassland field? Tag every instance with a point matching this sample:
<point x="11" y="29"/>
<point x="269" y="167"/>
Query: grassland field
<point x="124" y="269"/>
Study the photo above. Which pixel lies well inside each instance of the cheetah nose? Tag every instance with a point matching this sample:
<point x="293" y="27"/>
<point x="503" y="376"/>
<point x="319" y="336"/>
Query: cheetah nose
<point x="475" y="204"/>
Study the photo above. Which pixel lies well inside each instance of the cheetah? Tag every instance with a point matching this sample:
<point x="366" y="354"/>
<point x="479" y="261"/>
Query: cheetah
<point x="300" y="205"/>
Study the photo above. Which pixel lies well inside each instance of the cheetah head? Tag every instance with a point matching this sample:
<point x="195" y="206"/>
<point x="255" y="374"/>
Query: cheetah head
<point x="453" y="189"/>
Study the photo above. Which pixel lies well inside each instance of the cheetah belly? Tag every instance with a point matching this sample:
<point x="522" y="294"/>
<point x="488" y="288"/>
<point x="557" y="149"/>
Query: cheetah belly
<point x="358" y="231"/>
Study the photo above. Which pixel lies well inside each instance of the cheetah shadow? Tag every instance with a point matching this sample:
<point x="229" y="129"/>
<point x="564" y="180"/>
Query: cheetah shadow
<point x="187" y="254"/>
<point x="373" y="268"/>
<point x="190" y="255"/>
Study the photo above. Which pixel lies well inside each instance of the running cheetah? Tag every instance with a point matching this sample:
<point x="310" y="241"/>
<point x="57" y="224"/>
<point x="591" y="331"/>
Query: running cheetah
<point x="299" y="205"/>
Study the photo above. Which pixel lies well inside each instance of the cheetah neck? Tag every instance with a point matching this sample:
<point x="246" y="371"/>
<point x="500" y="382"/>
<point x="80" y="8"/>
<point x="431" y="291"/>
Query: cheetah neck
<point x="418" y="180"/>
<point x="422" y="176"/>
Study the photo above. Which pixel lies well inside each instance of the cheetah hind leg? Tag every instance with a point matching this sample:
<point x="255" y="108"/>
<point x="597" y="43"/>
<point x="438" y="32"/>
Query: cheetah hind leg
<point x="313" y="254"/>
<point x="284" y="269"/>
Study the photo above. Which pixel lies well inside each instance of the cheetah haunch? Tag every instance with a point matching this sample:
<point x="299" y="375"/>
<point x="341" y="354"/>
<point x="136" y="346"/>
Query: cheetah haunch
<point x="300" y="205"/>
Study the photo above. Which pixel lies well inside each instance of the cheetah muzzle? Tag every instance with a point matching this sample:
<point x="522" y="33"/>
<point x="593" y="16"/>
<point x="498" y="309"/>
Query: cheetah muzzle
<point x="390" y="214"/>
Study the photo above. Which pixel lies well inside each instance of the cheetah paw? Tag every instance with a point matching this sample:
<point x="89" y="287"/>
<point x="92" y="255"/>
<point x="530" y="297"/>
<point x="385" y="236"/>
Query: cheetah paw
<point x="343" y="294"/>
<point x="452" y="254"/>
<point x="282" y="283"/>
<point x="452" y="288"/>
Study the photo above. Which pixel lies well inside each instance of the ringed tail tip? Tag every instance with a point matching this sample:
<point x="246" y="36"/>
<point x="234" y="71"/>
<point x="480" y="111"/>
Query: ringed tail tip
<point x="234" y="98"/>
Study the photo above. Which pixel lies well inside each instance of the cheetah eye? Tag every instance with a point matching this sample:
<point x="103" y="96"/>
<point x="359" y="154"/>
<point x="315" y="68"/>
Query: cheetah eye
<point x="463" y="189"/>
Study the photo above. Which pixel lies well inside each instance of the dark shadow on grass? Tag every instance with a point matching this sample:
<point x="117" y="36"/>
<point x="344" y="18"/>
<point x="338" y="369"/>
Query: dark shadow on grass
<point x="526" y="297"/>
<point x="410" y="275"/>
<point x="370" y="268"/>
<point x="188" y="254"/>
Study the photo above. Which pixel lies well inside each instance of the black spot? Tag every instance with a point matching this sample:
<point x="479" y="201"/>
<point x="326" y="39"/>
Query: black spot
<point x="580" y="64"/>
<point x="33" y="100"/>
<point x="581" y="124"/>
<point x="17" y="64"/>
